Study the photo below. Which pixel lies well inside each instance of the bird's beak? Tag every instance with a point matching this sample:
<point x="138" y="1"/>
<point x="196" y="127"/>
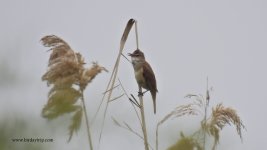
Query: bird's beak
<point x="129" y="54"/>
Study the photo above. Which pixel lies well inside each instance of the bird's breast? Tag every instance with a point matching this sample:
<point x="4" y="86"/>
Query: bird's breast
<point x="140" y="78"/>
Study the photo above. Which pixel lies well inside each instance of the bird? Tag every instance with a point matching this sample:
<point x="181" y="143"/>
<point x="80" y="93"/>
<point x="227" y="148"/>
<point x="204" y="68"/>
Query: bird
<point x="144" y="74"/>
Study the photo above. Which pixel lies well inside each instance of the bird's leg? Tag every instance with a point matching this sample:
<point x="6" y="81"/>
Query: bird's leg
<point x="142" y="93"/>
<point x="145" y="91"/>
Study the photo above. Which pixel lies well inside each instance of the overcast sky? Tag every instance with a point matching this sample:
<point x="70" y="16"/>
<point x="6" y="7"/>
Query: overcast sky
<point x="184" y="41"/>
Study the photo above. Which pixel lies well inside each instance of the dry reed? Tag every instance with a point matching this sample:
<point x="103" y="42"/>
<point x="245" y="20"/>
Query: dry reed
<point x="113" y="77"/>
<point x="212" y="125"/>
<point x="220" y="117"/>
<point x="66" y="69"/>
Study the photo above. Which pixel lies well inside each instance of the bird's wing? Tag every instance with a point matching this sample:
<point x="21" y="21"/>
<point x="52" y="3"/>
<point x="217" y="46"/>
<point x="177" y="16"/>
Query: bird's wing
<point x="150" y="77"/>
<point x="150" y="82"/>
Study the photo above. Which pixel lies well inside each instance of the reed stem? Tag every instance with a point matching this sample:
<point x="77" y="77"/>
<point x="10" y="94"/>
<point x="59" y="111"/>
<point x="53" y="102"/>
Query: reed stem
<point x="143" y="124"/>
<point x="87" y="124"/>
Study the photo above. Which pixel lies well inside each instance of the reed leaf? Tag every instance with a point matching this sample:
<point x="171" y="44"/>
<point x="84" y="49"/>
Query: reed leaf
<point x="75" y="122"/>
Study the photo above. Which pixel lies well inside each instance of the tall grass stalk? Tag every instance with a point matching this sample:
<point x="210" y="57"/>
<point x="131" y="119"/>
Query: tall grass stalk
<point x="87" y="123"/>
<point x="113" y="77"/>
<point x="141" y="103"/>
<point x="142" y="108"/>
<point x="143" y="119"/>
<point x="205" y="113"/>
<point x="135" y="110"/>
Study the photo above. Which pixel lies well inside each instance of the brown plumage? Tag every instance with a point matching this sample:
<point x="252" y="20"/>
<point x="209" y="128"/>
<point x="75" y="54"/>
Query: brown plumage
<point x="144" y="74"/>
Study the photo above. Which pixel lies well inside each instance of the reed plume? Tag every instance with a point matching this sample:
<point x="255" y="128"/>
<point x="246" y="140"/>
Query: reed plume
<point x="211" y="124"/>
<point x="220" y="117"/>
<point x="66" y="72"/>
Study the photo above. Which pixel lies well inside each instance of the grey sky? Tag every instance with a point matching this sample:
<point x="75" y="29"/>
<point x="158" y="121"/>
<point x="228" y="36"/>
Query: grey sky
<point x="185" y="41"/>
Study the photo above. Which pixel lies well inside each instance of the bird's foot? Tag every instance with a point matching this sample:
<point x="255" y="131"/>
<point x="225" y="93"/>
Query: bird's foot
<point x="140" y="94"/>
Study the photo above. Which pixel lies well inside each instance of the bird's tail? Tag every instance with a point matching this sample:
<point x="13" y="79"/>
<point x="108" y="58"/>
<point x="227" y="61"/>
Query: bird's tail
<point x="153" y="94"/>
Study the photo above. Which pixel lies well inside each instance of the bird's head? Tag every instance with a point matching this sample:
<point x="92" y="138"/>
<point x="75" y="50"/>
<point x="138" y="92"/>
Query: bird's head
<point x="137" y="55"/>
